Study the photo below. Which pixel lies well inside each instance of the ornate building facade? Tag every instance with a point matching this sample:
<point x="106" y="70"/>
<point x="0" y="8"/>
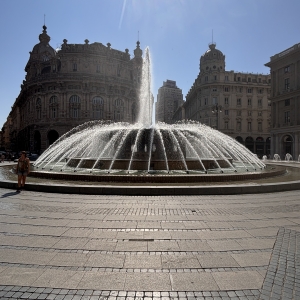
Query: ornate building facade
<point x="169" y="98"/>
<point x="67" y="87"/>
<point x="285" y="100"/>
<point x="235" y="103"/>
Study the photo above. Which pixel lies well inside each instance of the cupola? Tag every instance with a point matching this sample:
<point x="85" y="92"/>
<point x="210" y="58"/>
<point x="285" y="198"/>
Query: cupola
<point x="212" y="60"/>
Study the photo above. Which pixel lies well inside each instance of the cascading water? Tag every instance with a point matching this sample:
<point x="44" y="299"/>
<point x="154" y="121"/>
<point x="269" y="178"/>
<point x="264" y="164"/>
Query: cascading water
<point x="187" y="147"/>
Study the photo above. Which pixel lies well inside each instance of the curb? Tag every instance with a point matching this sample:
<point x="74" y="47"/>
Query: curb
<point x="157" y="190"/>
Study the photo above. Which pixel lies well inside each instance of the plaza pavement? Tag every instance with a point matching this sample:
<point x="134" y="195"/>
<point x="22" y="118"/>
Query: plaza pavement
<point x="63" y="246"/>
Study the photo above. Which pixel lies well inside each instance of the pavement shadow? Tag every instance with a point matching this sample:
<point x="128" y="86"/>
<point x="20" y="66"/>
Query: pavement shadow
<point x="9" y="194"/>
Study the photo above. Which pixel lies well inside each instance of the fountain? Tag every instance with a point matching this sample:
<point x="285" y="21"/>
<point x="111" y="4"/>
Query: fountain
<point x="288" y="157"/>
<point x="276" y="157"/>
<point x="144" y="149"/>
<point x="264" y="158"/>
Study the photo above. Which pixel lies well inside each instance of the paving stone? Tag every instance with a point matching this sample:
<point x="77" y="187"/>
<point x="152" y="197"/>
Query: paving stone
<point x="93" y="246"/>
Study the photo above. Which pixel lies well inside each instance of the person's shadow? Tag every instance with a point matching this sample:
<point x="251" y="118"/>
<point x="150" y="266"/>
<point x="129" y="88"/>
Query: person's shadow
<point x="9" y="194"/>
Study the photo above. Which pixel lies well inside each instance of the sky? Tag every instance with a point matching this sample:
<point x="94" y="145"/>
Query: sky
<point x="178" y="32"/>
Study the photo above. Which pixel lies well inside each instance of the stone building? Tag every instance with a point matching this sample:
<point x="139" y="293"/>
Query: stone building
<point x="2" y="147"/>
<point x="4" y="135"/>
<point x="285" y="100"/>
<point x="169" y="98"/>
<point x="235" y="103"/>
<point x="66" y="87"/>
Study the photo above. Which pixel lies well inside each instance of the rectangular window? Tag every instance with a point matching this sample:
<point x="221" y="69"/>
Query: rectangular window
<point x="259" y="80"/>
<point x="226" y="89"/>
<point x="239" y="78"/>
<point x="75" y="112"/>
<point x="226" y="125"/>
<point x="74" y="67"/>
<point x="53" y="112"/>
<point x="240" y="90"/>
<point x="39" y="113"/>
<point x="286" y="117"/>
<point x="98" y="114"/>
<point x="226" y="112"/>
<point x="226" y="100"/>
<point x="259" y="113"/>
<point x="249" y="126"/>
<point x="249" y="113"/>
<point x="259" y="102"/>
<point x="249" y="79"/>
<point x="226" y="78"/>
<point x="287" y="102"/>
<point x="249" y="91"/>
<point x="259" y="126"/>
<point x="238" y="112"/>
<point x="214" y="100"/>
<point x="238" y="101"/>
<point x="260" y="91"/>
<point x="249" y="101"/>
<point x="239" y="126"/>
<point x="98" y="69"/>
<point x="206" y="78"/>
<point x="287" y="84"/>
<point x="287" y="69"/>
<point x="205" y="101"/>
<point x="215" y="77"/>
<point x="214" y="90"/>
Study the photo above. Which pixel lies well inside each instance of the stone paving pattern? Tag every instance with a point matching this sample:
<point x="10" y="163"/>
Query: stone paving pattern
<point x="283" y="275"/>
<point x="60" y="246"/>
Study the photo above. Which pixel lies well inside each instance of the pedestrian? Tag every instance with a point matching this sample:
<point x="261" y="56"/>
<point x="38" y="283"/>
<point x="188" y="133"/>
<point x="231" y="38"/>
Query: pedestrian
<point x="23" y="169"/>
<point x="2" y="158"/>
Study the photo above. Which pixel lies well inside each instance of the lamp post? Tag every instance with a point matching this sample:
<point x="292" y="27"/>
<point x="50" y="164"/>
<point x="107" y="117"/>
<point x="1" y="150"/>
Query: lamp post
<point x="216" y="109"/>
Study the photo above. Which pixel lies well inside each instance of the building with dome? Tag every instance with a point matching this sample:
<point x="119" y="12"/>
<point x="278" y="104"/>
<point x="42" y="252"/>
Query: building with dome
<point x="235" y="103"/>
<point x="67" y="87"/>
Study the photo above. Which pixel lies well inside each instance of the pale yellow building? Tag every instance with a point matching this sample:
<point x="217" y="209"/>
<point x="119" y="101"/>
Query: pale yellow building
<point x="235" y="103"/>
<point x="285" y="100"/>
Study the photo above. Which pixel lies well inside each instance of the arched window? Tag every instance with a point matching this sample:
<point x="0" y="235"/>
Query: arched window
<point x="74" y="106"/>
<point x="52" y="136"/>
<point x="97" y="104"/>
<point x="288" y="145"/>
<point x="38" y="108"/>
<point x="53" y="107"/>
<point x="260" y="146"/>
<point x="240" y="139"/>
<point x="249" y="143"/>
<point x="119" y="102"/>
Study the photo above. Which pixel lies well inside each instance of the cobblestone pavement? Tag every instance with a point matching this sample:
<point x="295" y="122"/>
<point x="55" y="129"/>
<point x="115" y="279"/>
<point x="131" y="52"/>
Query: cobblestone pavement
<point x="59" y="246"/>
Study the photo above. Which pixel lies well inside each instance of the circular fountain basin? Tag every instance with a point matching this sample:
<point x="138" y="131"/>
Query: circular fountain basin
<point x="119" y="176"/>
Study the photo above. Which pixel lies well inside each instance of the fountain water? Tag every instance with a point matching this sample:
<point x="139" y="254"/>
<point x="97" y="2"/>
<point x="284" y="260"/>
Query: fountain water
<point x="188" y="147"/>
<point x="288" y="157"/>
<point x="276" y="157"/>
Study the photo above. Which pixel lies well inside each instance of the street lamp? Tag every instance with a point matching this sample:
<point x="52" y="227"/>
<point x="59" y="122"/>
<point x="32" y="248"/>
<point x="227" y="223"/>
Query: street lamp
<point x="216" y="109"/>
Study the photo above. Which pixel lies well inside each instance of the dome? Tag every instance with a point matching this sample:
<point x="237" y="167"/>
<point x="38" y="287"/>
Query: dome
<point x="212" y="59"/>
<point x="41" y="52"/>
<point x="43" y="46"/>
